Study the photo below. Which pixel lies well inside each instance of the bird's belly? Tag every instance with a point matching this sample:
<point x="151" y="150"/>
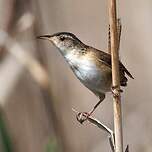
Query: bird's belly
<point x="95" y="79"/>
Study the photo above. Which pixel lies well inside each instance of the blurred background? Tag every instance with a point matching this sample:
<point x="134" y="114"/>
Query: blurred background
<point x="38" y="90"/>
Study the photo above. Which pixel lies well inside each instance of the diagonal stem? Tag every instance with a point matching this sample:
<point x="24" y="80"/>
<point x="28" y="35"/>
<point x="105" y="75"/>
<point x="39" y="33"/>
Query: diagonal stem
<point x="81" y="117"/>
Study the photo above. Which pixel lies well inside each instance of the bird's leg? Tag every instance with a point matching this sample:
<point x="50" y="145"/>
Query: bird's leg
<point x="83" y="116"/>
<point x="115" y="91"/>
<point x="94" y="108"/>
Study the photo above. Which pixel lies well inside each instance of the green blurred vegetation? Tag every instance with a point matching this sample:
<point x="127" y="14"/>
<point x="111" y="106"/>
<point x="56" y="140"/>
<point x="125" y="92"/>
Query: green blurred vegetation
<point x="52" y="146"/>
<point x="4" y="137"/>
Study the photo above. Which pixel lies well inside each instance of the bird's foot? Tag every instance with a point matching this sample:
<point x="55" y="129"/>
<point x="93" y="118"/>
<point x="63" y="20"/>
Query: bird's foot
<point x="115" y="91"/>
<point x="83" y="116"/>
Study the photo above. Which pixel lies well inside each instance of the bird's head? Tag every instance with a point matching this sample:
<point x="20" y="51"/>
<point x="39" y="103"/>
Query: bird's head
<point x="64" y="41"/>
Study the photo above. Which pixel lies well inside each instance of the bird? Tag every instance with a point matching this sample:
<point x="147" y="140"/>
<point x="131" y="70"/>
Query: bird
<point x="91" y="66"/>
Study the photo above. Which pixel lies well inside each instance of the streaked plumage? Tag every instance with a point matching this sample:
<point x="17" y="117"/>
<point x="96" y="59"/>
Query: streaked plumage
<point x="91" y="66"/>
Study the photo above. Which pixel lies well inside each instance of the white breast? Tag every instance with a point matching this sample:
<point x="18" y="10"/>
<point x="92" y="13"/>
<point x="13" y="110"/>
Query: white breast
<point x="87" y="72"/>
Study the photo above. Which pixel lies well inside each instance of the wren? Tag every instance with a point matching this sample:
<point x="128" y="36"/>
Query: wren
<point x="90" y="65"/>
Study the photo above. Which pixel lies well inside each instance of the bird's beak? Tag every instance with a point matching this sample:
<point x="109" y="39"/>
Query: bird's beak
<point x="45" y="37"/>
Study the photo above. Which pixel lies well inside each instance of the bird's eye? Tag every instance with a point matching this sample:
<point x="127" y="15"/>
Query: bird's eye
<point x="62" y="38"/>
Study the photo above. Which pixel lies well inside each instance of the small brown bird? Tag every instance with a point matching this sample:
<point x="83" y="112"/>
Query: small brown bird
<point x="91" y="66"/>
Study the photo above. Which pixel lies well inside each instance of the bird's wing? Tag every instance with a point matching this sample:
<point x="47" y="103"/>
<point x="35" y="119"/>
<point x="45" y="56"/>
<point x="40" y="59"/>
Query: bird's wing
<point x="106" y="59"/>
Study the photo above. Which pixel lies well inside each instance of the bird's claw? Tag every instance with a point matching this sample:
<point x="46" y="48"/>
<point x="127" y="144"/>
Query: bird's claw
<point x="115" y="91"/>
<point x="82" y="116"/>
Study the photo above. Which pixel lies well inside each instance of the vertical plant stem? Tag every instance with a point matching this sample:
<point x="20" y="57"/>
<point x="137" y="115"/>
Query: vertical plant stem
<point x="115" y="76"/>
